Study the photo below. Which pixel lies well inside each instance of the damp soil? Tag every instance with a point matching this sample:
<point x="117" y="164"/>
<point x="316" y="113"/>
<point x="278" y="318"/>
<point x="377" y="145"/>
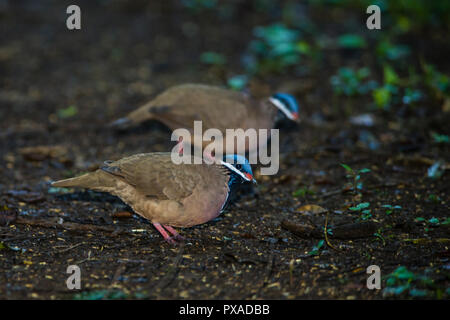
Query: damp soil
<point x="60" y="89"/>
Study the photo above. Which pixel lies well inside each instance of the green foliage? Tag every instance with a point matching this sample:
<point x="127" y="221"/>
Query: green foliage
<point x="101" y="295"/>
<point x="382" y="97"/>
<point x="363" y="209"/>
<point x="440" y="138"/>
<point x="360" y="207"/>
<point x="67" y="112"/>
<point x="106" y="294"/>
<point x="390" y="76"/>
<point x="378" y="235"/>
<point x="213" y="58"/>
<point x="302" y="192"/>
<point x="199" y="5"/>
<point x="435" y="171"/>
<point x="434" y="198"/>
<point x="275" y="48"/>
<point x="390" y="208"/>
<point x="394" y="52"/>
<point x="436" y="81"/>
<point x="401" y="16"/>
<point x="238" y="82"/>
<point x="316" y="248"/>
<point x="349" y="82"/>
<point x="432" y="222"/>
<point x="402" y="280"/>
<point x="412" y="96"/>
<point x="355" y="176"/>
<point x="390" y="93"/>
<point x="347" y="168"/>
<point x="351" y="41"/>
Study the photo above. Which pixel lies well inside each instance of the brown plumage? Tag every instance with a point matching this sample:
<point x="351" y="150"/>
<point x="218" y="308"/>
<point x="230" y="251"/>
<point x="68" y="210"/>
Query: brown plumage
<point x="180" y="106"/>
<point x="154" y="187"/>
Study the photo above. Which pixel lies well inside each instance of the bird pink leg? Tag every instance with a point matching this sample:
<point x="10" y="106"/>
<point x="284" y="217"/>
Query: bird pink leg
<point x="180" y="146"/>
<point x="209" y="156"/>
<point x="176" y="235"/>
<point x="164" y="233"/>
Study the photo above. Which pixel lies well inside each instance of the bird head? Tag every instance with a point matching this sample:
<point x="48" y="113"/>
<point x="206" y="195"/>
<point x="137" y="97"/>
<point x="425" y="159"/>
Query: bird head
<point x="239" y="166"/>
<point x="287" y="104"/>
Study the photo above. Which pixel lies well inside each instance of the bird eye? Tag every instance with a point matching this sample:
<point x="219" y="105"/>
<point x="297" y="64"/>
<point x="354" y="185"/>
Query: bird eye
<point x="239" y="167"/>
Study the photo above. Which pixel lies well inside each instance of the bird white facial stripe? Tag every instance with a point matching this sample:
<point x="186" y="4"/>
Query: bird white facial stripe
<point x="282" y="107"/>
<point x="229" y="166"/>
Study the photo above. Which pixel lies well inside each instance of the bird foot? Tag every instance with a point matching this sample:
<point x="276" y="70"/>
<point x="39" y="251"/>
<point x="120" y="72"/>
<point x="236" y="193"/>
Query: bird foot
<point x="170" y="239"/>
<point x="179" y="237"/>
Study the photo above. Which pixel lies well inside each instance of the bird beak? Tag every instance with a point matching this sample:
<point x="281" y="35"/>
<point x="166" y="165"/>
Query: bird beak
<point x="295" y="117"/>
<point x="250" y="177"/>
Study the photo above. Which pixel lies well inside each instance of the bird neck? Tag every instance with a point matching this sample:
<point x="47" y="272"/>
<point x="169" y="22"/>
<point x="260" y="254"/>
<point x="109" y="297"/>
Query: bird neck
<point x="233" y="186"/>
<point x="234" y="181"/>
<point x="267" y="112"/>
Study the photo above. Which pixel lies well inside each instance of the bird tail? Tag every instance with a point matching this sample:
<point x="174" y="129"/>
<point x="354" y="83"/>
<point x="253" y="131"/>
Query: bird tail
<point x="132" y="119"/>
<point x="97" y="180"/>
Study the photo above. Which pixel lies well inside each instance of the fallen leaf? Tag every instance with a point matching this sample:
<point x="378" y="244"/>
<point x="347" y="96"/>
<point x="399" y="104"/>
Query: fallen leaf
<point x="40" y="153"/>
<point x="26" y="196"/>
<point x="311" y="209"/>
<point x="122" y="214"/>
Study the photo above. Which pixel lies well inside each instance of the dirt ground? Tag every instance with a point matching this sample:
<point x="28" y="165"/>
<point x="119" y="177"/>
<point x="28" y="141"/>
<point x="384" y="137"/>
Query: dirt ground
<point x="60" y="88"/>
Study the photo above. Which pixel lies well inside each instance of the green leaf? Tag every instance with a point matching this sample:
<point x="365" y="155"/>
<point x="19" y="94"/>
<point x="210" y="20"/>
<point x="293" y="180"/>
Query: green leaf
<point x="238" y="82"/>
<point x="390" y="76"/>
<point x="440" y="138"/>
<point x="316" y="248"/>
<point x="434" y="220"/>
<point x="213" y="58"/>
<point x="351" y="41"/>
<point x="320" y="244"/>
<point x="382" y="97"/>
<point x="360" y="206"/>
<point x="390" y="281"/>
<point x="100" y="294"/>
<point x="418" y="293"/>
<point x="365" y="170"/>
<point x="435" y="172"/>
<point x="68" y="112"/>
<point x="346" y="167"/>
<point x="403" y="273"/>
<point x="302" y="192"/>
<point x="303" y="47"/>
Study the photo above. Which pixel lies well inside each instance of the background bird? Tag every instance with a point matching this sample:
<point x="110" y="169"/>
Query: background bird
<point x="180" y="106"/>
<point x="167" y="194"/>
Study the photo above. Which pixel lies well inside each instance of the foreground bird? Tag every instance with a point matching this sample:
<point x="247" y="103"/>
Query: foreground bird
<point x="180" y="106"/>
<point x="167" y="194"/>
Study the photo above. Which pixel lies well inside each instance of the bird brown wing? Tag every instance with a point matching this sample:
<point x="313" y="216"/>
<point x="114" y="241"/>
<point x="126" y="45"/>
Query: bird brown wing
<point x="180" y="106"/>
<point x="155" y="175"/>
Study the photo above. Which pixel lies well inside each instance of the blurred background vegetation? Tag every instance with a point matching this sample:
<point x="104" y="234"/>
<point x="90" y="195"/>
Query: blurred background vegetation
<point x="399" y="65"/>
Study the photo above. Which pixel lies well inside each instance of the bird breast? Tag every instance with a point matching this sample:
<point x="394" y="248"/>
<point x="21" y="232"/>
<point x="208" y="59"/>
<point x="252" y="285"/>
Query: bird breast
<point x="203" y="205"/>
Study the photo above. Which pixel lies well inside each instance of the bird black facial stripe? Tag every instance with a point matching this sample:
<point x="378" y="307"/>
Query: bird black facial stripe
<point x="280" y="105"/>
